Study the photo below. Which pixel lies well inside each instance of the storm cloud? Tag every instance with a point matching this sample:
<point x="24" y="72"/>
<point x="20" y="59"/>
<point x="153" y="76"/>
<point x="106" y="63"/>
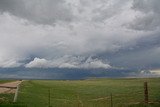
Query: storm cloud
<point x="39" y="11"/>
<point x="80" y="34"/>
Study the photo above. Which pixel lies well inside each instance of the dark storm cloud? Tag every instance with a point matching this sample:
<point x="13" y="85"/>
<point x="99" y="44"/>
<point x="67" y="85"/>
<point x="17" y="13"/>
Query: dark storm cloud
<point x="143" y="55"/>
<point x="80" y="33"/>
<point x="140" y="59"/>
<point x="150" y="15"/>
<point x="39" y="11"/>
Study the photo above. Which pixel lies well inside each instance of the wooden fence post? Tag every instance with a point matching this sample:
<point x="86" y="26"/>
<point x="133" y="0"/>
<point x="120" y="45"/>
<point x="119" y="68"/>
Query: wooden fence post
<point x="145" y="92"/>
<point x="49" y="98"/>
<point x="111" y="100"/>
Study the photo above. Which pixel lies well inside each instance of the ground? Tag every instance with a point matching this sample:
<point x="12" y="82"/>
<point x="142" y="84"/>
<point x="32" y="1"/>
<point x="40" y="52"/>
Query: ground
<point x="84" y="93"/>
<point x="89" y="93"/>
<point x="9" y="84"/>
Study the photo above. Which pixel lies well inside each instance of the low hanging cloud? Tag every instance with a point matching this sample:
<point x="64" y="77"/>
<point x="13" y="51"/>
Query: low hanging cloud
<point x="68" y="62"/>
<point x="44" y="33"/>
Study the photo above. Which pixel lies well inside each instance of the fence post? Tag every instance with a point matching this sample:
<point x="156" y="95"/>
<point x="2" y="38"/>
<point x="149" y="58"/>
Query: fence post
<point x="145" y="92"/>
<point x="49" y="98"/>
<point x="111" y="100"/>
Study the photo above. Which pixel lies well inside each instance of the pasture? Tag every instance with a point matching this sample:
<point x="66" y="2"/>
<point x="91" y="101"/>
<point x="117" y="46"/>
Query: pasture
<point x="89" y="93"/>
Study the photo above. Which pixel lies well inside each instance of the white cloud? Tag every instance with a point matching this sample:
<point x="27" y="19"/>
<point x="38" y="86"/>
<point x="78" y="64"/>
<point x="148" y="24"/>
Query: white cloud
<point x="40" y="63"/>
<point x="9" y="63"/>
<point x="155" y="71"/>
<point x="81" y="28"/>
<point x="95" y="63"/>
<point x="68" y="62"/>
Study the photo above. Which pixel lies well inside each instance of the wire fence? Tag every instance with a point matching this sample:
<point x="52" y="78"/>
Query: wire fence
<point x="48" y="98"/>
<point x="110" y="100"/>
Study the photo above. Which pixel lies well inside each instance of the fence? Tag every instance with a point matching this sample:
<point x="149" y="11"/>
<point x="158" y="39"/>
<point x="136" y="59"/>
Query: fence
<point x="108" y="100"/>
<point x="77" y="100"/>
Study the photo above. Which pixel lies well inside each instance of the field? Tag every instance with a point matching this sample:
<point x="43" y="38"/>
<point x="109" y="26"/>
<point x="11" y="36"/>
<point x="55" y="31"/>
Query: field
<point x="5" y="81"/>
<point x="89" y="93"/>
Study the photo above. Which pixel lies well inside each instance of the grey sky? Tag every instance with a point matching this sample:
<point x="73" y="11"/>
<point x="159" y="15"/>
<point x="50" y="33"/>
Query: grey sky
<point x="80" y="33"/>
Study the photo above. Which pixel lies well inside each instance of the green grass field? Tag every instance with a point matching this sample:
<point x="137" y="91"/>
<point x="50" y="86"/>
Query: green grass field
<point x="5" y="81"/>
<point x="89" y="93"/>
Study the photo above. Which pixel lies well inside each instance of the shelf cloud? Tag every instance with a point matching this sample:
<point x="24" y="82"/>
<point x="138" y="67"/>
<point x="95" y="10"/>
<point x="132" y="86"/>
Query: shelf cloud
<point x="68" y="62"/>
<point x="80" y="34"/>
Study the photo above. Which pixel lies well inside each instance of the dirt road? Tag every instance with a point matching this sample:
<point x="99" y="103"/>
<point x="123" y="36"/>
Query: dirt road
<point x="12" y="85"/>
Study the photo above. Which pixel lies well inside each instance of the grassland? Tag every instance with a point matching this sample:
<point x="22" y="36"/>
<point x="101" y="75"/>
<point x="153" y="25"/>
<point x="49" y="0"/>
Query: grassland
<point x="89" y="93"/>
<point x="5" y="81"/>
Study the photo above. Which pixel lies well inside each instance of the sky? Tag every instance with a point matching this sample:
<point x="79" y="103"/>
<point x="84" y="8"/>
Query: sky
<point x="83" y="34"/>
